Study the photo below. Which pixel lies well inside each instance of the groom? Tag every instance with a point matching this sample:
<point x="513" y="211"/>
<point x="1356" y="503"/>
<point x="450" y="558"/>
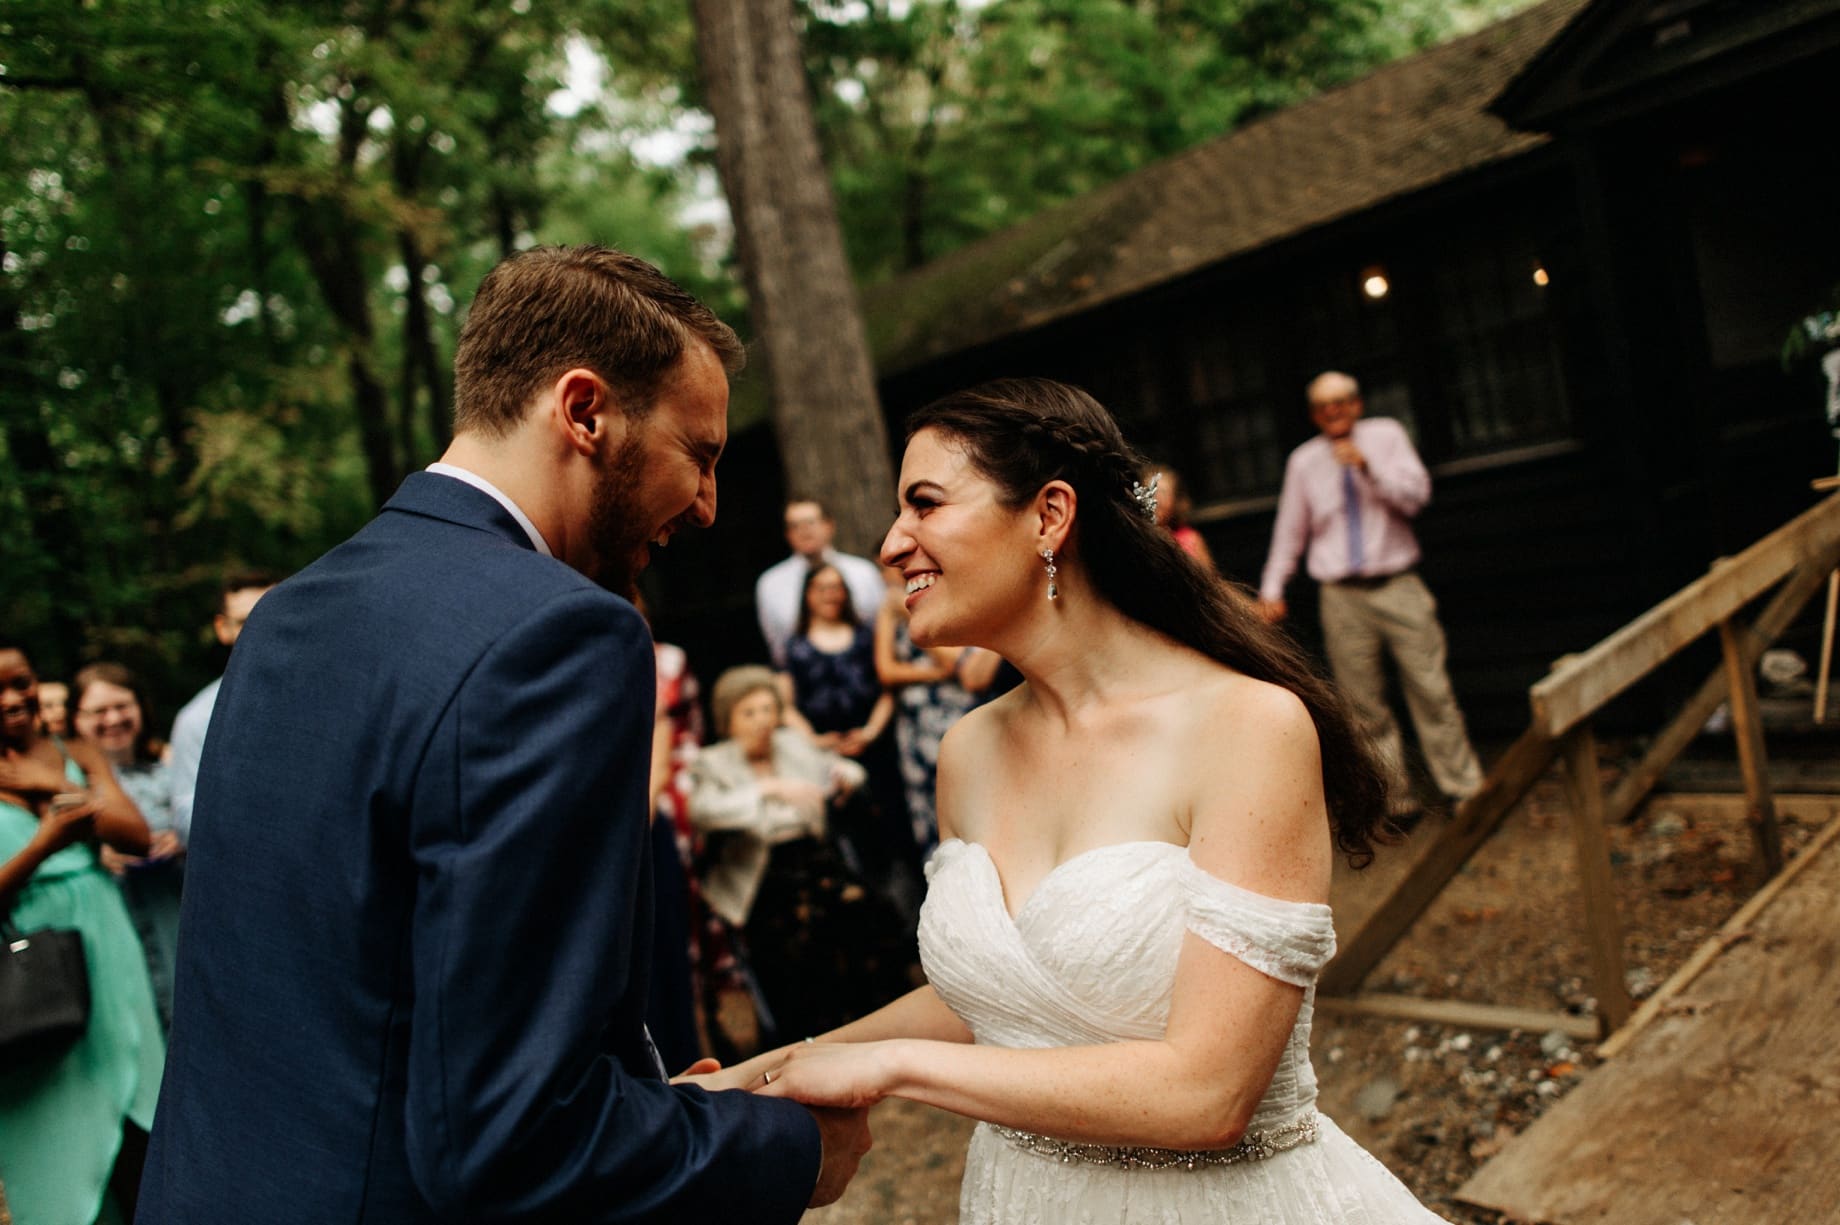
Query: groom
<point x="417" y="917"/>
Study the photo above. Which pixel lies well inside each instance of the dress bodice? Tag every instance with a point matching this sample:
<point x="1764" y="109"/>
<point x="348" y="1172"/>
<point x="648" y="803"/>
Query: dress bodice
<point x="1091" y="954"/>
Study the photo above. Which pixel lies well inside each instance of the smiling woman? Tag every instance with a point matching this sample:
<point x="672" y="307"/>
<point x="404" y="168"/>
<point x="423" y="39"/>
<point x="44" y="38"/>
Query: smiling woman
<point x="822" y="946"/>
<point x="72" y="1122"/>
<point x="113" y="714"/>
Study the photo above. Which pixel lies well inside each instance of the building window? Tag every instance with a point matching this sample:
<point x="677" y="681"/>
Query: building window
<point x="1234" y="445"/>
<point x="1496" y="349"/>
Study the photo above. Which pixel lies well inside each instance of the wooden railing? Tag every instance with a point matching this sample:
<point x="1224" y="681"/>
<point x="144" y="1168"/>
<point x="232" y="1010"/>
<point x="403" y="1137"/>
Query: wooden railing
<point x="1796" y="559"/>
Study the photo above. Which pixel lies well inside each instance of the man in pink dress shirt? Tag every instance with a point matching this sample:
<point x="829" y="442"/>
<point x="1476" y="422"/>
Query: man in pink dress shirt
<point x="1349" y="497"/>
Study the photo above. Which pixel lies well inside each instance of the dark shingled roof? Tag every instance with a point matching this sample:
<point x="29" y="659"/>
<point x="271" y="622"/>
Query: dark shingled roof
<point x="1405" y="127"/>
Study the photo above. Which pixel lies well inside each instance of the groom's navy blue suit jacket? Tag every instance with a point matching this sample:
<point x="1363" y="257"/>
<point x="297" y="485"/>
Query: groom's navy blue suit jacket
<point x="416" y="928"/>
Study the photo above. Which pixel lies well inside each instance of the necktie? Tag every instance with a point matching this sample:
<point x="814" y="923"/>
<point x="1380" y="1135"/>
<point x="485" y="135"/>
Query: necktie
<point x="1351" y="498"/>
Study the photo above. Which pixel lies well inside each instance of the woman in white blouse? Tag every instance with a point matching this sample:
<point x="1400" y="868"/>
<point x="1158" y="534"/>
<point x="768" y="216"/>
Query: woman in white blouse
<point x="822" y="947"/>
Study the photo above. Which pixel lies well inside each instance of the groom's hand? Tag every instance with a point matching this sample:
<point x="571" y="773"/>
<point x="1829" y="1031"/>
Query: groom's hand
<point x="845" y="1137"/>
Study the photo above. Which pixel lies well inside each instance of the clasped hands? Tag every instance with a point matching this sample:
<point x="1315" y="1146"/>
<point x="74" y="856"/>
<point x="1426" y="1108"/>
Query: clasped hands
<point x="21" y="775"/>
<point x="829" y="1080"/>
<point x="844" y="1075"/>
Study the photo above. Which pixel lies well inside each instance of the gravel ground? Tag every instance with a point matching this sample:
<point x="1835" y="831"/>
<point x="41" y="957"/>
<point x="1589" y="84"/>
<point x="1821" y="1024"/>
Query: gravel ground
<point x="1431" y="1102"/>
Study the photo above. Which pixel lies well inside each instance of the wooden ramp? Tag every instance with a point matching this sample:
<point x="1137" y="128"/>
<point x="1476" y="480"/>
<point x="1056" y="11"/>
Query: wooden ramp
<point x="1724" y="1109"/>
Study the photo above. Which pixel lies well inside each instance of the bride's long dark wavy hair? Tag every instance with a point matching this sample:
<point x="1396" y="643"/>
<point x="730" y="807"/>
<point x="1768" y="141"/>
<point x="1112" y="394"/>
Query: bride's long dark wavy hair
<point x="1023" y="433"/>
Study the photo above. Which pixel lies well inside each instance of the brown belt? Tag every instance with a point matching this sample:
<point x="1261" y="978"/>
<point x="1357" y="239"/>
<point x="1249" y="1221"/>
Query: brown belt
<point x="1368" y="582"/>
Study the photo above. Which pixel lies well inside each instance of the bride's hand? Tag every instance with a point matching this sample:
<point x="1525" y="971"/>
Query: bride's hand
<point x="848" y="1074"/>
<point x="711" y="1075"/>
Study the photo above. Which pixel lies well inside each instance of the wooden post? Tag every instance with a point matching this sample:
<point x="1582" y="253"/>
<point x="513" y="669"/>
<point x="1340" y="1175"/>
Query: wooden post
<point x="1606" y="932"/>
<point x="1827" y="649"/>
<point x="1782" y="609"/>
<point x="1747" y="727"/>
<point x="1470" y="826"/>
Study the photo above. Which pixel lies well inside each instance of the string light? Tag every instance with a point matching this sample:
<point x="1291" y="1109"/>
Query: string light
<point x="1374" y="283"/>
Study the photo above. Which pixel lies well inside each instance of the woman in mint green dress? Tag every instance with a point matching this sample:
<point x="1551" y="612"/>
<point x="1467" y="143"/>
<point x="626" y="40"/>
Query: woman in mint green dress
<point x="72" y="1125"/>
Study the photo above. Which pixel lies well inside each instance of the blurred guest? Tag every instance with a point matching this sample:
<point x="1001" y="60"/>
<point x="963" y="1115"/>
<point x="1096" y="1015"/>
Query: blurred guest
<point x="54" y="708"/>
<point x="1347" y="504"/>
<point x="1173" y="506"/>
<point x="832" y="691"/>
<point x="236" y="601"/>
<point x="930" y="694"/>
<point x="112" y="715"/>
<point x="677" y="731"/>
<point x="777" y="593"/>
<point x="73" y="1121"/>
<point x="821" y="946"/>
<point x="833" y="694"/>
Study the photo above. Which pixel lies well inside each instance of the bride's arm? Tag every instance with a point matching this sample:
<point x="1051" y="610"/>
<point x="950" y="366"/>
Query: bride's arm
<point x="1262" y="823"/>
<point x="920" y="1014"/>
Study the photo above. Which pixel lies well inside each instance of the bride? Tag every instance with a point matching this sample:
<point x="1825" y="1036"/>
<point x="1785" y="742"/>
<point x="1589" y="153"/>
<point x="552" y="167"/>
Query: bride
<point x="1126" y="914"/>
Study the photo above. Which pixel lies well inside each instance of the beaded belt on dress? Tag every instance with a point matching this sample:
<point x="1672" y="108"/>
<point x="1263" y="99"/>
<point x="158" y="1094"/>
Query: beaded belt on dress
<point x="1255" y="1146"/>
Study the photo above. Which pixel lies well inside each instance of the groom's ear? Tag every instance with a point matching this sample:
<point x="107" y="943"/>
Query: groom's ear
<point x="586" y="413"/>
<point x="1055" y="507"/>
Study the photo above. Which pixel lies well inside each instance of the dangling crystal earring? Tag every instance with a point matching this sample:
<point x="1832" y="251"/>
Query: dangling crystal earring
<point x="1047" y="555"/>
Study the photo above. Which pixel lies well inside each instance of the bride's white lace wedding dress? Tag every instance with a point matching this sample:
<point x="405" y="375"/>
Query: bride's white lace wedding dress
<point x="1090" y="958"/>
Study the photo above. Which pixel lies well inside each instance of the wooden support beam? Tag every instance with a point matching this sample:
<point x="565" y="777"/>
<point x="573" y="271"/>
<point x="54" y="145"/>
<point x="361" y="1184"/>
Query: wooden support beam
<point x="1747" y="727"/>
<point x="1604" y="932"/>
<point x="1827" y="648"/>
<point x="1459" y="1013"/>
<point x="1470" y="826"/>
<point x="1776" y="617"/>
<point x="1734" y="929"/>
<point x="1586" y="682"/>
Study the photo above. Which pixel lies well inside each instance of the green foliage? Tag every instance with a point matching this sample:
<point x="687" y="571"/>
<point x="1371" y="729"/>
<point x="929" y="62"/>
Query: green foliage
<point x="234" y="236"/>
<point x="943" y="121"/>
<point x="213" y="350"/>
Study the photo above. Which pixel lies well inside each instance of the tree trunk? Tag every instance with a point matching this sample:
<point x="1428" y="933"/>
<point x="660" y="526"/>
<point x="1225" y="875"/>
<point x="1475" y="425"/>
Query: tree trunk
<point x="832" y="439"/>
<point x="332" y="241"/>
<point x="421" y="362"/>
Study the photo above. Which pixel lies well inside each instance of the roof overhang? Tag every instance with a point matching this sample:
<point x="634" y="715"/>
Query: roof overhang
<point x="1620" y="58"/>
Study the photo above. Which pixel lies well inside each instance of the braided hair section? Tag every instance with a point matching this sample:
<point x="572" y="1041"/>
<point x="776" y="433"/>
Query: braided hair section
<point x="1060" y="433"/>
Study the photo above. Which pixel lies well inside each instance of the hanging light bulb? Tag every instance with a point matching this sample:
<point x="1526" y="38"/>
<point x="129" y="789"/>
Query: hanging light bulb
<point x="1374" y="283"/>
<point x="1539" y="276"/>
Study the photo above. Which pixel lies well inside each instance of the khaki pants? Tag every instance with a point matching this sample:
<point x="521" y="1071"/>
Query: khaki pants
<point x="1399" y="616"/>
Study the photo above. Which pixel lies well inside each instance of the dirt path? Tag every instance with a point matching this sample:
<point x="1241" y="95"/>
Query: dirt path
<point x="1433" y="1102"/>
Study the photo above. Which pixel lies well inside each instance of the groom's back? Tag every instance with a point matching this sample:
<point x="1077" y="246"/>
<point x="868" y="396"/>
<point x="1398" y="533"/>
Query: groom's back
<point x="287" y="1073"/>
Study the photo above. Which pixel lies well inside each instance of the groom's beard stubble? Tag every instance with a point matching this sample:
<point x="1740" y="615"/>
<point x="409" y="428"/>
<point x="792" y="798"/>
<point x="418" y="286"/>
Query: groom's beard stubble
<point x="619" y="528"/>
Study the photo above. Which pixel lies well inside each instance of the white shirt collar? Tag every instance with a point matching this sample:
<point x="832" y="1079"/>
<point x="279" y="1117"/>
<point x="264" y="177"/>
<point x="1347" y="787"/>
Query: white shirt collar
<point x="498" y="495"/>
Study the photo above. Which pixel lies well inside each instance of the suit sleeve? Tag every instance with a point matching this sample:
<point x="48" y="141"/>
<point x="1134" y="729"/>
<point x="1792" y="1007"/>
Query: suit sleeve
<point x="524" y="933"/>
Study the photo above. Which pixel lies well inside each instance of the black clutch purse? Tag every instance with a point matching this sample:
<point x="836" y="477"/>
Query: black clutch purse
<point x="44" y="992"/>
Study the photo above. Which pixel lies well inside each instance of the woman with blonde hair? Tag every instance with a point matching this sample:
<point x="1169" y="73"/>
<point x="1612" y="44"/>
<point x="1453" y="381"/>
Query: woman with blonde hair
<point x="821" y="946"/>
<point x="112" y="713"/>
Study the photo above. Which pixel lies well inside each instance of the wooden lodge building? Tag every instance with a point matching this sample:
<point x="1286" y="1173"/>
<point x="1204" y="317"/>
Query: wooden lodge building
<point x="1566" y="250"/>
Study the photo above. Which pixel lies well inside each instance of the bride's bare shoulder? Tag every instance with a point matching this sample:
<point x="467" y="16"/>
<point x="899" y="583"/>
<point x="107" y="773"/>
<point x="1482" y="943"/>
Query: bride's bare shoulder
<point x="1257" y="775"/>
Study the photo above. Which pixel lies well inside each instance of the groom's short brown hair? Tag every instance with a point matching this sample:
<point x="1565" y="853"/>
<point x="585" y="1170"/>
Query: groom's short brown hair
<point x="547" y="310"/>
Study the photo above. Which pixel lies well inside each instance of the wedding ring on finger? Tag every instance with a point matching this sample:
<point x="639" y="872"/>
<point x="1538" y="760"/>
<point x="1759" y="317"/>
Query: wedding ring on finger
<point x="766" y="1078"/>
